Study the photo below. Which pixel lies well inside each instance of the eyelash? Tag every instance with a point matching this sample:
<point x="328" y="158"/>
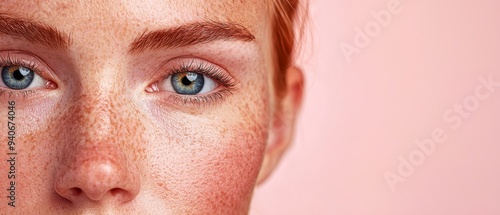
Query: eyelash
<point x="10" y="61"/>
<point x="203" y="68"/>
<point x="209" y="70"/>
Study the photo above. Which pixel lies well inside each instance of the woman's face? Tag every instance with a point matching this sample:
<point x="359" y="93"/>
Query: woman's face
<point x="147" y="107"/>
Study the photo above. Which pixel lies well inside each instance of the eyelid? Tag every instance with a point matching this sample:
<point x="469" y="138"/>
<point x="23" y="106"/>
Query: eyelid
<point x="212" y="70"/>
<point x="31" y="61"/>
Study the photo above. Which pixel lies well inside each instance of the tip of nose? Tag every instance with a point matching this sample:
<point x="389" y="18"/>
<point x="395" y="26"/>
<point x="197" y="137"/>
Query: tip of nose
<point x="97" y="181"/>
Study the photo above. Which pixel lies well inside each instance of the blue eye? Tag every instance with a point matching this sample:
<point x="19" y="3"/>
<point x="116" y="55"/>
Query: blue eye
<point x="19" y="78"/>
<point x="188" y="83"/>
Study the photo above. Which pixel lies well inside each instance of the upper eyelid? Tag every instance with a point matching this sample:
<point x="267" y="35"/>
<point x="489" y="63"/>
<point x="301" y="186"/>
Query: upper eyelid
<point x="16" y="62"/>
<point x="31" y="61"/>
<point x="182" y="64"/>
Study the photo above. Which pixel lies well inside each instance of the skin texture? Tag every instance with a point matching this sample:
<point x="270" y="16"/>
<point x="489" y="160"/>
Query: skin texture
<point x="97" y="140"/>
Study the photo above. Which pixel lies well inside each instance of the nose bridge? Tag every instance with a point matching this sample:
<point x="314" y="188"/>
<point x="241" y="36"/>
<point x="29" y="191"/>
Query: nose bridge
<point x="98" y="101"/>
<point x="97" y="116"/>
<point x="94" y="115"/>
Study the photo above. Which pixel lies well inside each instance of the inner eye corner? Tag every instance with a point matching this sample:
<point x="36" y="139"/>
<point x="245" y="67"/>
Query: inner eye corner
<point x="152" y="88"/>
<point x="51" y="85"/>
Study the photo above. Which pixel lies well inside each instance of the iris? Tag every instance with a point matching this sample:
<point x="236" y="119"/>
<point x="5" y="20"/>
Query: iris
<point x="17" y="77"/>
<point x="187" y="83"/>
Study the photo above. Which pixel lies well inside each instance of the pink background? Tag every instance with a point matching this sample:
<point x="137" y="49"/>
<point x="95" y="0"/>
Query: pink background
<point x="361" y="117"/>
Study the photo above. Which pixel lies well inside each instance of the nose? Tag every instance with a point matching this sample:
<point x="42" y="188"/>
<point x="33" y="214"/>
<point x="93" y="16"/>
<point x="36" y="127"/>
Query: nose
<point x="94" y="175"/>
<point x="94" y="165"/>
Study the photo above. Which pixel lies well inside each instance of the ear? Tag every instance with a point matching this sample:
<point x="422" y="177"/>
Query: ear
<point x="283" y="124"/>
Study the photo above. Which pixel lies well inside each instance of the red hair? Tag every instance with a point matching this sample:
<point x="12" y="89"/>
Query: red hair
<point x="284" y="38"/>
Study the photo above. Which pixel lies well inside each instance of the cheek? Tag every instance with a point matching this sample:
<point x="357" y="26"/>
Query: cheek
<point x="204" y="172"/>
<point x="209" y="162"/>
<point x="34" y="157"/>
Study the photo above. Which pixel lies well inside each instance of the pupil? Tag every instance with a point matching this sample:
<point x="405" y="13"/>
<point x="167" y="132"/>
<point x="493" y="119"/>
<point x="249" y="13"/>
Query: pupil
<point x="17" y="75"/>
<point x="186" y="81"/>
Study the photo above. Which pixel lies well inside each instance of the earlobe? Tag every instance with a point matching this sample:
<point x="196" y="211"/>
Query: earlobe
<point x="283" y="124"/>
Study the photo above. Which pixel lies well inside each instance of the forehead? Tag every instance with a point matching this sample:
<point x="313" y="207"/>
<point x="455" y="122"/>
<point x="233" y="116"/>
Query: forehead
<point x="144" y="14"/>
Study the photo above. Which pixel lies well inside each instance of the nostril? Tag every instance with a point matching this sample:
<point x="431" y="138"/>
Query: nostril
<point x="120" y="194"/>
<point x="75" y="191"/>
<point x="116" y="191"/>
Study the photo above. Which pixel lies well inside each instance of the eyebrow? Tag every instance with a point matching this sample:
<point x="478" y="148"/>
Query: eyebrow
<point x="34" y="32"/>
<point x="190" y="34"/>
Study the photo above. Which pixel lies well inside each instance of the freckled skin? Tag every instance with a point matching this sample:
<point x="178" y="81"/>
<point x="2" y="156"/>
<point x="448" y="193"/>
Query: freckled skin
<point x="101" y="144"/>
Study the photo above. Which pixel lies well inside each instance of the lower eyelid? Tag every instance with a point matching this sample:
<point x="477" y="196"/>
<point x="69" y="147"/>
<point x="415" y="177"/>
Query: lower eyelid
<point x="204" y="100"/>
<point x="15" y="93"/>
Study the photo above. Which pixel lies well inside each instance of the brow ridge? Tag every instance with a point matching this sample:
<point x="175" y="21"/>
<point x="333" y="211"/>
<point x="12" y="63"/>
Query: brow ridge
<point x="34" y="32"/>
<point x="188" y="35"/>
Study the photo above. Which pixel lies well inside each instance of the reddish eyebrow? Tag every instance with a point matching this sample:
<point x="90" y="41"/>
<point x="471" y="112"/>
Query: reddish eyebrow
<point x="34" y="32"/>
<point x="189" y="34"/>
